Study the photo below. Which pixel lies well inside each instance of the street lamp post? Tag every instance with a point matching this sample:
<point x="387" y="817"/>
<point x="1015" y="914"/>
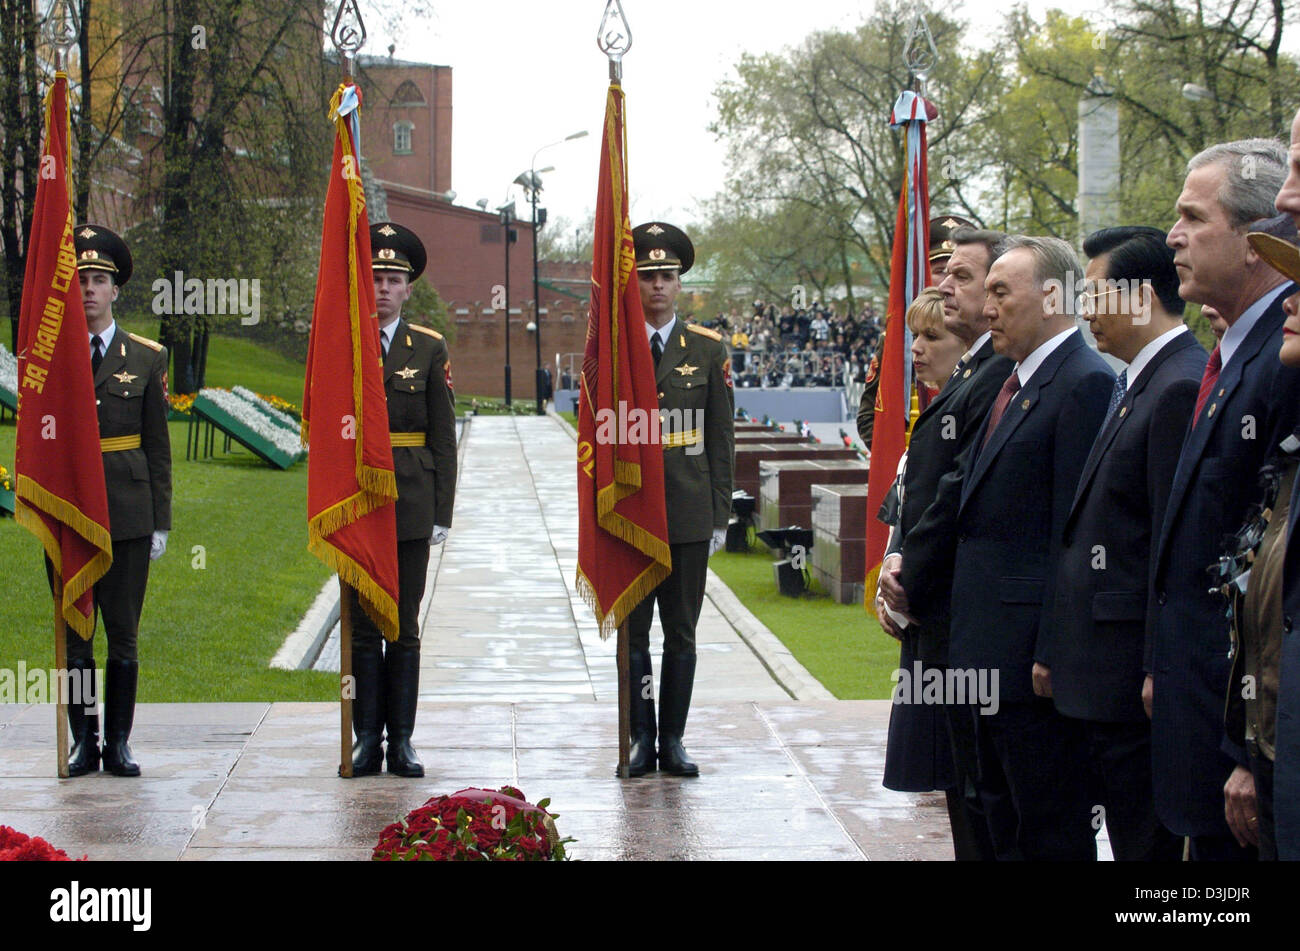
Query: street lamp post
<point x="507" y="217"/>
<point x="534" y="186"/>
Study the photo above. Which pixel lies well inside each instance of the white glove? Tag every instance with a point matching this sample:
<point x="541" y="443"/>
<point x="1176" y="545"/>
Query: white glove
<point x="718" y="541"/>
<point x="157" y="545"/>
<point x="439" y="535"/>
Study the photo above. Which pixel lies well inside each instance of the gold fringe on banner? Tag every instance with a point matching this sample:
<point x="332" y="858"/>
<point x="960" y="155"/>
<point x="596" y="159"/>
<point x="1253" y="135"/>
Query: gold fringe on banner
<point x="40" y="499"/>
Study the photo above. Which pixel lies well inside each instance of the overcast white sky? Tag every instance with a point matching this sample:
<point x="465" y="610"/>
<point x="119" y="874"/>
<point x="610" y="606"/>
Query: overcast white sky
<point x="528" y="73"/>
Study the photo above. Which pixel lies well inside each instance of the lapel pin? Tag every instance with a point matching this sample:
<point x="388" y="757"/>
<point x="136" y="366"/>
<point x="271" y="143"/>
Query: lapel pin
<point x="1123" y="411"/>
<point x="1213" y="407"/>
<point x="1025" y="404"/>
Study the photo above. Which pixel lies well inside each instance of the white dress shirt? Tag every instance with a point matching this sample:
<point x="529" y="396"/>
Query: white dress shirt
<point x="1246" y="322"/>
<point x="1028" y="366"/>
<point x="1150" y="350"/>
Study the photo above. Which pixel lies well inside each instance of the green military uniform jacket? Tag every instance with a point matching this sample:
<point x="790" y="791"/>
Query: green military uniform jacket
<point x="131" y="396"/>
<point x="417" y="382"/>
<point x="695" y="375"/>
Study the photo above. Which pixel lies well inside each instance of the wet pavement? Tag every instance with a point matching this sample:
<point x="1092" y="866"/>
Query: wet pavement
<point x="221" y="782"/>
<point x="516" y="687"/>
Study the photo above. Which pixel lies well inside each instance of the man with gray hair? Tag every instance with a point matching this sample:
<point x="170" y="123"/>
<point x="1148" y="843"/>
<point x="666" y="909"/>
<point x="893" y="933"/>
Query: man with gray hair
<point x="1015" y="487"/>
<point x="1246" y="405"/>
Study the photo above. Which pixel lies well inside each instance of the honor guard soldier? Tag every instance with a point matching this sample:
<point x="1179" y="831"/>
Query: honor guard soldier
<point x="422" y="421"/>
<point x="130" y="375"/>
<point x="697" y="403"/>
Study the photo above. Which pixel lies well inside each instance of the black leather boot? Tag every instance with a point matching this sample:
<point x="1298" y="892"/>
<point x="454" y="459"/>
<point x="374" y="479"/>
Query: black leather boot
<point x="368" y="708"/>
<point x="403" y="669"/>
<point x="641" y="759"/>
<point x="676" y="679"/>
<point x="83" y="725"/>
<point x="120" y="678"/>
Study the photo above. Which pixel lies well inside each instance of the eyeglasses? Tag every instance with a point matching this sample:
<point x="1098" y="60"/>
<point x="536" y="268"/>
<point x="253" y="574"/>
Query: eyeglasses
<point x="1087" y="302"/>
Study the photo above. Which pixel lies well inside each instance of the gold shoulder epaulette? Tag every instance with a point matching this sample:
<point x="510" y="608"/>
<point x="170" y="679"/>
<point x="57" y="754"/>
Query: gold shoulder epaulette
<point x="426" y="330"/>
<point x="704" y="331"/>
<point x="151" y="344"/>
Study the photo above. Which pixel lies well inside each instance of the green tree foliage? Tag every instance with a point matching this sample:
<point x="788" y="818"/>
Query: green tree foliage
<point x="810" y="147"/>
<point x="815" y="170"/>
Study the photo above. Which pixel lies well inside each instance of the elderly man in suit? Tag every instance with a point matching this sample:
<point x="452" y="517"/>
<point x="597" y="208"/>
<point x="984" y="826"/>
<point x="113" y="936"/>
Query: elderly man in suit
<point x="916" y="577"/>
<point x="1016" y="489"/>
<point x="1286" y="750"/>
<point x="1245" y="406"/>
<point x="1091" y="664"/>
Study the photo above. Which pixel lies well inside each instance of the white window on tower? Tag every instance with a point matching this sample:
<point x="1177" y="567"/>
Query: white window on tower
<point x="402" y="137"/>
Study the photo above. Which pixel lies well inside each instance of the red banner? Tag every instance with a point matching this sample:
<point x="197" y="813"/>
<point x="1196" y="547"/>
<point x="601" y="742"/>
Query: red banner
<point x="351" y="489"/>
<point x="622" y="523"/>
<point x="909" y="275"/>
<point x="60" y="495"/>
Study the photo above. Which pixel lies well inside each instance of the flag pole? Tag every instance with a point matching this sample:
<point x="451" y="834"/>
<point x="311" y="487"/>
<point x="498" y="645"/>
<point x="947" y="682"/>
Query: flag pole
<point x="614" y="38"/>
<point x="624" y="704"/>
<point x="347" y="686"/>
<point x="347" y="39"/>
<point x="62" y="31"/>
<point x="61" y="663"/>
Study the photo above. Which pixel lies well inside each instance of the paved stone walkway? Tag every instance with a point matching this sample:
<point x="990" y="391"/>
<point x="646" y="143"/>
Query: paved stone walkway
<point x="516" y="687"/>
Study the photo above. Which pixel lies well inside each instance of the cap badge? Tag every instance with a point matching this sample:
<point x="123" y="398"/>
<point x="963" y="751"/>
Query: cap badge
<point x="387" y="230"/>
<point x="90" y="255"/>
<point x="658" y="254"/>
<point x="655" y="230"/>
<point x="86" y="233"/>
<point x="387" y="254"/>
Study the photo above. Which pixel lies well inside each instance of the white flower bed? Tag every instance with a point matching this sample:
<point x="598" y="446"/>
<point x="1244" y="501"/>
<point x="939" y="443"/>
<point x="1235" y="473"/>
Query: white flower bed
<point x="8" y="370"/>
<point x="284" y="440"/>
<point x="263" y="406"/>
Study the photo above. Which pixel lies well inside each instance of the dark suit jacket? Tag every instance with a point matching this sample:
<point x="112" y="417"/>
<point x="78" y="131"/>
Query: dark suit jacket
<point x="1251" y="409"/>
<point x="1015" y="498"/>
<point x="1098" y="627"/>
<point x="952" y="422"/>
<point x="1286" y="761"/>
<point x="416" y="382"/>
<point x="694" y="377"/>
<point x="131" y="395"/>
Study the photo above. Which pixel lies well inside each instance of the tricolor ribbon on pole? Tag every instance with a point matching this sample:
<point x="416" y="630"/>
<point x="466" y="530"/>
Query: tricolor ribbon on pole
<point x="909" y="275"/>
<point x="351" y="488"/>
<point x="60" y="496"/>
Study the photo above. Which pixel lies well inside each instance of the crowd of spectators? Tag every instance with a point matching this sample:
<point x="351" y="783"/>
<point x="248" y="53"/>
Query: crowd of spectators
<point x="776" y="347"/>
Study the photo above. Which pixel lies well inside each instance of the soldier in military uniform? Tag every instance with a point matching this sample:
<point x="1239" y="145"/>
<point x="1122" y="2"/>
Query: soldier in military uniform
<point x="941" y="248"/>
<point x="693" y="373"/>
<point x="130" y="376"/>
<point x="422" y="421"/>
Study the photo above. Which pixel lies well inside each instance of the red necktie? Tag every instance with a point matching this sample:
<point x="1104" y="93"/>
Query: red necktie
<point x="1208" y="383"/>
<point x="1009" y="389"/>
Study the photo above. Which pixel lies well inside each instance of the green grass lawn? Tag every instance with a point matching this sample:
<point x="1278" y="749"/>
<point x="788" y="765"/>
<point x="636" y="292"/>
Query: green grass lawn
<point x="840" y="644"/>
<point x="234" y="582"/>
<point x="236" y="361"/>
